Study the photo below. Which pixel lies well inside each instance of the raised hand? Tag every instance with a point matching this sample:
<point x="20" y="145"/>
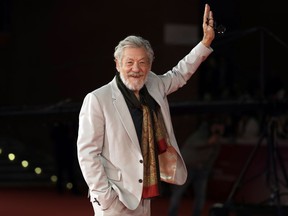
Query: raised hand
<point x="208" y="26"/>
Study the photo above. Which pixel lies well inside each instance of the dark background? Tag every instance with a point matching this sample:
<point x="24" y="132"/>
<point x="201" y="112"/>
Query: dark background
<point x="53" y="51"/>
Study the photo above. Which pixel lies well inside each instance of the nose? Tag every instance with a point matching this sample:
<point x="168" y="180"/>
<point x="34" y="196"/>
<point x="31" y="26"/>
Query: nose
<point x="135" y="67"/>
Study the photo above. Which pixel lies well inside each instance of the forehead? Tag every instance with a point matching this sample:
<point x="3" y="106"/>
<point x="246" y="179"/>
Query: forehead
<point x="134" y="53"/>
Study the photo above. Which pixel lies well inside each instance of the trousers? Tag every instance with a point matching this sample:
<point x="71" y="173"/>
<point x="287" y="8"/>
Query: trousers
<point x="117" y="208"/>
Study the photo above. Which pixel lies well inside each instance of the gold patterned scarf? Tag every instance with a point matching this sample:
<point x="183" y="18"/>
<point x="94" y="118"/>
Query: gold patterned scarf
<point x="154" y="136"/>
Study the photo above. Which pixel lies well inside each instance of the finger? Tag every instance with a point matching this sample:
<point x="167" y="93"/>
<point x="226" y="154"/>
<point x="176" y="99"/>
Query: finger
<point x="210" y="17"/>
<point x="210" y="20"/>
<point x="206" y="13"/>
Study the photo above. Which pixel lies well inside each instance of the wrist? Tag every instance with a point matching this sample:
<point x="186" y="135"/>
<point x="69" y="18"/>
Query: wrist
<point x="206" y="42"/>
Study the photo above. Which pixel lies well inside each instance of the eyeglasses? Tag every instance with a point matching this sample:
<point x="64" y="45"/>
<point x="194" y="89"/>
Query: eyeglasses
<point x="219" y="29"/>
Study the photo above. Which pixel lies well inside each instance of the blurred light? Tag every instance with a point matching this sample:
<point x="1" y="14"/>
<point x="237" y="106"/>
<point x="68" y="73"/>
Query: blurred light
<point x="54" y="178"/>
<point x="69" y="185"/>
<point x="25" y="163"/>
<point x="0" y="150"/>
<point x="11" y="156"/>
<point x="38" y="170"/>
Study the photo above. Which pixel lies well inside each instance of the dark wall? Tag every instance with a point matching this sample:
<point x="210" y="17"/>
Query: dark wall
<point x="63" y="49"/>
<point x="54" y="50"/>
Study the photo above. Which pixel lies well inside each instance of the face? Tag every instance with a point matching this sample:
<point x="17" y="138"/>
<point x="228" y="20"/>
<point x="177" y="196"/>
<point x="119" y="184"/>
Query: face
<point x="134" y="68"/>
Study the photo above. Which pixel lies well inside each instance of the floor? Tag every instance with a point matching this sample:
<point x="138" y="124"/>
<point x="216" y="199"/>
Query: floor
<point x="47" y="202"/>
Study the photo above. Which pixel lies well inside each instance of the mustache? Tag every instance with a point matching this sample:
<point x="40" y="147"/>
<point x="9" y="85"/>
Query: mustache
<point x="135" y="73"/>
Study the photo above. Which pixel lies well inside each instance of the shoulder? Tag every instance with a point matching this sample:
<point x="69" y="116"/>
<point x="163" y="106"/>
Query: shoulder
<point x="98" y="94"/>
<point x="98" y="97"/>
<point x="103" y="90"/>
<point x="153" y="78"/>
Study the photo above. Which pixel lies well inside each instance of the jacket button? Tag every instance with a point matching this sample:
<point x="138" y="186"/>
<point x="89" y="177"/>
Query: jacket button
<point x="141" y="161"/>
<point x="140" y="180"/>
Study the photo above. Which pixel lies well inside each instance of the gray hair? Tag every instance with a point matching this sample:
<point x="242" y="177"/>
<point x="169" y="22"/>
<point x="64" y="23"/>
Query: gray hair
<point x="134" y="42"/>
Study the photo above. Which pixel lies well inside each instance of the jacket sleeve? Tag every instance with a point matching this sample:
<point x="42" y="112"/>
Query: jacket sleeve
<point x="89" y="147"/>
<point x="186" y="67"/>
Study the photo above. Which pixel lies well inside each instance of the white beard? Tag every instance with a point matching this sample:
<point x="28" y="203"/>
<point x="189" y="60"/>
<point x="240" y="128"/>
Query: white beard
<point x="136" y="86"/>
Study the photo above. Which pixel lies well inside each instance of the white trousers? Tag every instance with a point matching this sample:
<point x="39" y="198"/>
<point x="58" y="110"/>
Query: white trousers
<point x="117" y="208"/>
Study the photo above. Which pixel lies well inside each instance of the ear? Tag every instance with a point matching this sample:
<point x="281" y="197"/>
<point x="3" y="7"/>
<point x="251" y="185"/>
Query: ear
<point x="117" y="65"/>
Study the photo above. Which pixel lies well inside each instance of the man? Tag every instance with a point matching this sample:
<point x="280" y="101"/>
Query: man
<point x="126" y="144"/>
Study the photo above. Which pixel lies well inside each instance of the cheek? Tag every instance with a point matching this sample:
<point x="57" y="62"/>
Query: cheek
<point x="148" y="69"/>
<point x="123" y="73"/>
<point x="121" y="69"/>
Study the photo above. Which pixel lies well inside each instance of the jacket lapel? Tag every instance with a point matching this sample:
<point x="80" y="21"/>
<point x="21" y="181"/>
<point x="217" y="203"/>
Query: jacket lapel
<point x="124" y="114"/>
<point x="155" y="93"/>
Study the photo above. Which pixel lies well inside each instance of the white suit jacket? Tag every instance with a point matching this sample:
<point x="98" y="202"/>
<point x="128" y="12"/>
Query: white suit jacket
<point x="108" y="149"/>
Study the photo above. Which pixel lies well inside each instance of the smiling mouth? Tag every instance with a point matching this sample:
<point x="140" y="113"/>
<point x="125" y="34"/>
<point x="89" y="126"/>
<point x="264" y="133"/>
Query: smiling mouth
<point x="135" y="76"/>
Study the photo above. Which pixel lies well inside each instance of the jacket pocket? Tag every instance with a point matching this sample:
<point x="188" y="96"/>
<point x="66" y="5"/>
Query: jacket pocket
<point x="113" y="174"/>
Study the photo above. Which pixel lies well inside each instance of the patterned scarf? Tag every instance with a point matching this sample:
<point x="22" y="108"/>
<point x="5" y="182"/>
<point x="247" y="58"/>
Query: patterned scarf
<point x="153" y="140"/>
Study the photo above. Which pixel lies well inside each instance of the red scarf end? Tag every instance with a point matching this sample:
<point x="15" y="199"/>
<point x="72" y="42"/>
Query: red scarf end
<point x="162" y="146"/>
<point x="151" y="191"/>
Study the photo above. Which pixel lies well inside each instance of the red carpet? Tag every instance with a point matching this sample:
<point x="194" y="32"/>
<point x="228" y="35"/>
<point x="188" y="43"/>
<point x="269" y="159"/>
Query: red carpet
<point x="47" y="202"/>
<point x="42" y="202"/>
